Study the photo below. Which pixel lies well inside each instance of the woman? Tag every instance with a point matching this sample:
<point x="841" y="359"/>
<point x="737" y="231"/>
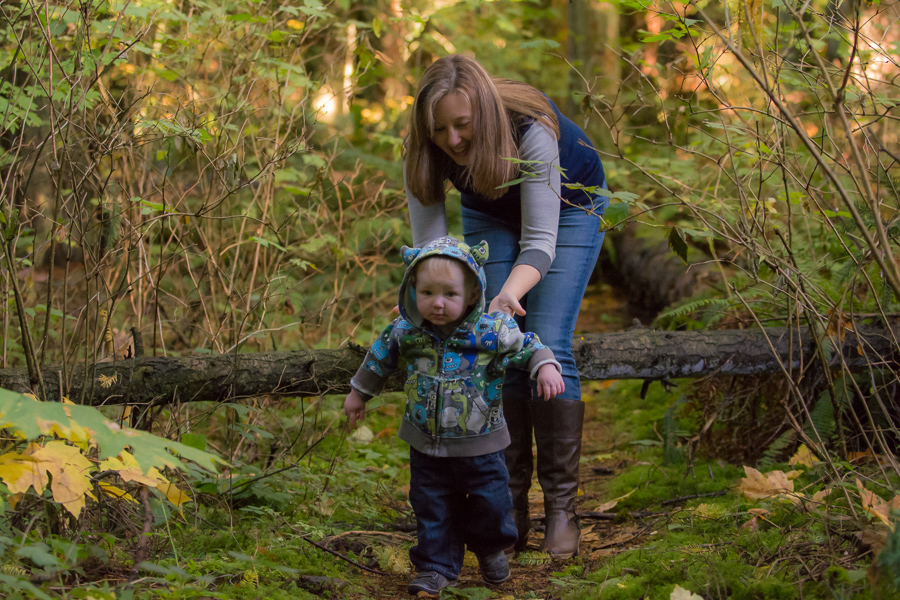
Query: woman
<point x="504" y="145"/>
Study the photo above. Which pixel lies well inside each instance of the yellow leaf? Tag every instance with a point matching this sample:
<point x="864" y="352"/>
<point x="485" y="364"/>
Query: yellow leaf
<point x="115" y="492"/>
<point x="822" y="494"/>
<point x="804" y="457"/>
<point x="175" y="495"/>
<point x="295" y="24"/>
<point x="750" y="526"/>
<point x="21" y="472"/>
<point x="757" y="486"/>
<point x="107" y="382"/>
<point x="679" y="593"/>
<point x="872" y="503"/>
<point x="612" y="503"/>
<point x="129" y="470"/>
<point x="754" y="486"/>
<point x="12" y="466"/>
<point x="69" y="470"/>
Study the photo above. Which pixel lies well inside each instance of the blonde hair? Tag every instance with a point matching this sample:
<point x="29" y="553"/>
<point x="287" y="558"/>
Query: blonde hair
<point x="443" y="267"/>
<point x="498" y="106"/>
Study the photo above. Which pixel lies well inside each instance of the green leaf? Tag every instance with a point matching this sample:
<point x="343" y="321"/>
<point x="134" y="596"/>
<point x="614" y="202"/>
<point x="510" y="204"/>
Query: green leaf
<point x="677" y="243"/>
<point x="266" y="243"/>
<point x="616" y="213"/>
<point x="246" y="18"/>
<point x="539" y="43"/>
<point x="194" y="440"/>
<point x="32" y="419"/>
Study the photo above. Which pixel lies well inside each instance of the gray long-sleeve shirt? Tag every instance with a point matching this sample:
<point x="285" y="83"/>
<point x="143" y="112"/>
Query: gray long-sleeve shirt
<point x="540" y="203"/>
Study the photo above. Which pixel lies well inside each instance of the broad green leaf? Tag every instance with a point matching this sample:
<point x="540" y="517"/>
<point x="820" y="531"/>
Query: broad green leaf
<point x="30" y="419"/>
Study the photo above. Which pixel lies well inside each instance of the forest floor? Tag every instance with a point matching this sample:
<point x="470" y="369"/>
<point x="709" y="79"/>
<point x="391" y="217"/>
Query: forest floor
<point x="600" y="538"/>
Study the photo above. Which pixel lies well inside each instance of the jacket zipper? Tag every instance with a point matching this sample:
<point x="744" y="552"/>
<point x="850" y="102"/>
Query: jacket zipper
<point x="438" y="400"/>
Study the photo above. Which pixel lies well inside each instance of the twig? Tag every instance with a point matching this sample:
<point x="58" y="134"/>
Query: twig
<point x="342" y="557"/>
<point x="683" y="498"/>
<point x="141" y="552"/>
<point x="402" y="536"/>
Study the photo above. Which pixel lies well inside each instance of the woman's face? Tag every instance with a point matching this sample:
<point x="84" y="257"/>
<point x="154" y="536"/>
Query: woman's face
<point x="453" y="127"/>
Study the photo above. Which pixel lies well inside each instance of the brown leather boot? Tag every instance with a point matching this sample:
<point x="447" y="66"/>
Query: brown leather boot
<point x="519" y="463"/>
<point x="557" y="431"/>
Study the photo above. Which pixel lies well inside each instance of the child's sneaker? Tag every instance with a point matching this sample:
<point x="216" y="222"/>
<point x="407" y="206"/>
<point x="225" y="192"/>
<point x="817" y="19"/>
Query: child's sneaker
<point x="494" y="567"/>
<point x="430" y="582"/>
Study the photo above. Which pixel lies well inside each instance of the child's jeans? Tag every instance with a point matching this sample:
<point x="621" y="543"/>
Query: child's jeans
<point x="459" y="502"/>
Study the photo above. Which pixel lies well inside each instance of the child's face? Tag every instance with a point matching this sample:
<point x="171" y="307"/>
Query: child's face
<point x="442" y="298"/>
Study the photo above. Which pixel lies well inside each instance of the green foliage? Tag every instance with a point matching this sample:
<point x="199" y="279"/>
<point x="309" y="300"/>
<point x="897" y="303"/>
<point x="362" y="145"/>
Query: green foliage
<point x="30" y="419"/>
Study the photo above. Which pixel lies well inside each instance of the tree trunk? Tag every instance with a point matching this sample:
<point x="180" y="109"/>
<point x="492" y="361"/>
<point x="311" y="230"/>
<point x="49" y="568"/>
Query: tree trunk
<point x="638" y="353"/>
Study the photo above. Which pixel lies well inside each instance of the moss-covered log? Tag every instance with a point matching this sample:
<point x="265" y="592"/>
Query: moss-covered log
<point x="638" y="353"/>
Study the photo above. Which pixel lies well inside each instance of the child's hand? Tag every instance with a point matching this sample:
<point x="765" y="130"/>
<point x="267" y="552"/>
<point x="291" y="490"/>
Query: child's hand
<point x="354" y="408"/>
<point x="549" y="382"/>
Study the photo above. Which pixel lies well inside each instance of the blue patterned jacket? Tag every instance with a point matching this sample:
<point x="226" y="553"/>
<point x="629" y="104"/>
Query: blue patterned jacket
<point x="453" y="384"/>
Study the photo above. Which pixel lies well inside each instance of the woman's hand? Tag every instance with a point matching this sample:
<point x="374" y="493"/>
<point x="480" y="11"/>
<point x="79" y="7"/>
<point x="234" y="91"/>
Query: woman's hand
<point x="354" y="408"/>
<point x="520" y="280"/>
<point x="549" y="382"/>
<point x="507" y="303"/>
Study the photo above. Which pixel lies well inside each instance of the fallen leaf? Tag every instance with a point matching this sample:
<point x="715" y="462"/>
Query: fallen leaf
<point x="804" y="457"/>
<point x="822" y="494"/>
<point x="679" y="593"/>
<point x="873" y="504"/>
<point x="362" y="434"/>
<point x="751" y="526"/>
<point x="606" y="506"/>
<point x="756" y="486"/>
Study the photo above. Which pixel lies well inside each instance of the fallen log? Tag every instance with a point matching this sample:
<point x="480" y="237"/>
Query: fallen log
<point x="639" y="353"/>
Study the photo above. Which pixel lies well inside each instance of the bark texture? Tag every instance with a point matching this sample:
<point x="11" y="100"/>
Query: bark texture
<point x="638" y="353"/>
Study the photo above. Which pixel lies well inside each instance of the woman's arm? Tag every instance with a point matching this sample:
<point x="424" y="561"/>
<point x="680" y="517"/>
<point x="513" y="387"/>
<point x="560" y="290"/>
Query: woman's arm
<point x="540" y="198"/>
<point x="428" y="222"/>
<point x="540" y="219"/>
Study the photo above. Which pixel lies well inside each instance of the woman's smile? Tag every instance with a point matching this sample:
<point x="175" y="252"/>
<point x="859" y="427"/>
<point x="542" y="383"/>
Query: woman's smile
<point x="453" y="127"/>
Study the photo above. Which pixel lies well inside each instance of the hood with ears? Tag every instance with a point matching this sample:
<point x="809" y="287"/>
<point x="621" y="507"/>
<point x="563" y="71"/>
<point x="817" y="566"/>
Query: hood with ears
<point x="470" y="257"/>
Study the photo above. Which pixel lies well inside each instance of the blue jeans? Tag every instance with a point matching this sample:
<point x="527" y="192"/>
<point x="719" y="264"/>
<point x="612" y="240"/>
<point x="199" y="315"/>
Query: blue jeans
<point x="552" y="305"/>
<point x="459" y="502"/>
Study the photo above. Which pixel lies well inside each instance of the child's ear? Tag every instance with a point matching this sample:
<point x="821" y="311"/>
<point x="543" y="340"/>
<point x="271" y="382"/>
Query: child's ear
<point x="409" y="254"/>
<point x="480" y="253"/>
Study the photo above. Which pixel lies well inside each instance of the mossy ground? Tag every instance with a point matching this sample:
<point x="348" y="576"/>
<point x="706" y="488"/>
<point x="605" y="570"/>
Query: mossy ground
<point x="313" y="529"/>
<point x="680" y="522"/>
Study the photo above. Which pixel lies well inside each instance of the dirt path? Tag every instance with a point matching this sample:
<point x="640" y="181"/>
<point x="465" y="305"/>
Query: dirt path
<point x="600" y="538"/>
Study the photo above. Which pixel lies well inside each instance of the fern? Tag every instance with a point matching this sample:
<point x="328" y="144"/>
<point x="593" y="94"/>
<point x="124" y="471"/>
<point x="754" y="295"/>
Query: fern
<point x="250" y="578"/>
<point x="673" y="453"/>
<point x="393" y="559"/>
<point x="821" y="419"/>
<point x="534" y="559"/>
<point x="14" y="570"/>
<point x="689" y="308"/>
<point x="776" y="448"/>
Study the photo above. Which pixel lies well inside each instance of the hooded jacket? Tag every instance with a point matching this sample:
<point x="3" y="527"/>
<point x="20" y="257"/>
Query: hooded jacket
<point x="453" y="383"/>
